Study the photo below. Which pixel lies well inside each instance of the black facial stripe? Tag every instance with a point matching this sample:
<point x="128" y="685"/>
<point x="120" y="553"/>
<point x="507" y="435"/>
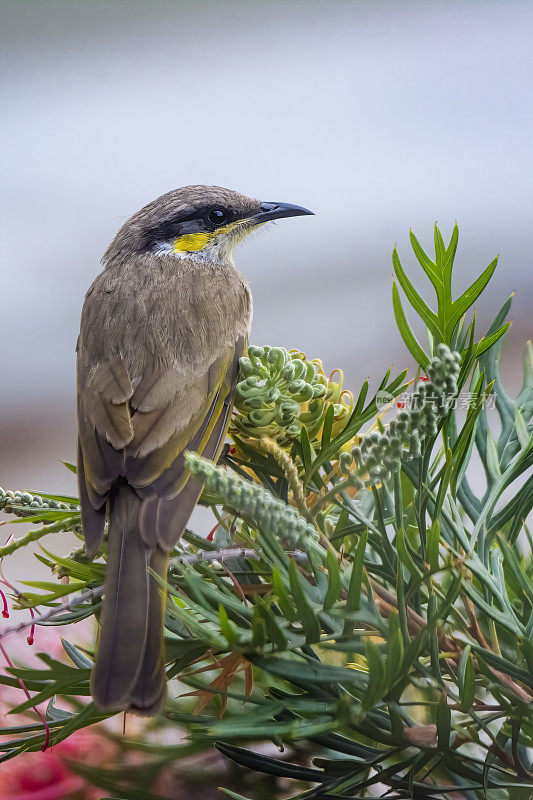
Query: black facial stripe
<point x="196" y="221"/>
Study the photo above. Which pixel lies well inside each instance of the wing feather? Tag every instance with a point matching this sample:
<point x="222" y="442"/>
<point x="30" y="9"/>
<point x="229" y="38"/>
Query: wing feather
<point x="144" y="437"/>
<point x="112" y="382"/>
<point x="153" y="388"/>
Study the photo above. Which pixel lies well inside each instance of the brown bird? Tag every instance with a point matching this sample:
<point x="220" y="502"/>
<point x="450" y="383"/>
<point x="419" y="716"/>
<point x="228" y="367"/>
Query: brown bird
<point x="162" y="329"/>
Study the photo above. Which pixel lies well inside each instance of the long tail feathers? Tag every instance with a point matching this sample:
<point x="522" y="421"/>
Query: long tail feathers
<point x="130" y="664"/>
<point x="149" y="691"/>
<point x="129" y="668"/>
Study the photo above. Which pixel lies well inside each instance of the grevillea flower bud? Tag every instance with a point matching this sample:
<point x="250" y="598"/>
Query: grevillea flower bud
<point x="380" y="455"/>
<point x="280" y="391"/>
<point x="267" y="511"/>
<point x="345" y="460"/>
<point x="24" y="504"/>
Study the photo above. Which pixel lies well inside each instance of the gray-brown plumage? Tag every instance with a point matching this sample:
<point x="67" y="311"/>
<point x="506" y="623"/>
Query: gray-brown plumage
<point x="162" y="330"/>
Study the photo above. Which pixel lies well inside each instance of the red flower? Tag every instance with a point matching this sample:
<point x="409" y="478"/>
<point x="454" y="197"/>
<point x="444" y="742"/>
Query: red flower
<point x="5" y="611"/>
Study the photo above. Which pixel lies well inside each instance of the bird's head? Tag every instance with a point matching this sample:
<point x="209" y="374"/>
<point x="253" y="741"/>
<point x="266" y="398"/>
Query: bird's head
<point x="203" y="223"/>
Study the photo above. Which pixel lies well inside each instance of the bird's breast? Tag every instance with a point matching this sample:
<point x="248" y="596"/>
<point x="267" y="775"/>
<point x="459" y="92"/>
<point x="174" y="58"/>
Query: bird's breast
<point x="165" y="310"/>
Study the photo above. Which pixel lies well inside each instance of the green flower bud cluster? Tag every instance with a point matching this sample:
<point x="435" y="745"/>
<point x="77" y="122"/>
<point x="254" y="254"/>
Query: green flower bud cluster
<point x="443" y="371"/>
<point x="380" y="454"/>
<point x="24" y="504"/>
<point x="269" y="513"/>
<point x="278" y="392"/>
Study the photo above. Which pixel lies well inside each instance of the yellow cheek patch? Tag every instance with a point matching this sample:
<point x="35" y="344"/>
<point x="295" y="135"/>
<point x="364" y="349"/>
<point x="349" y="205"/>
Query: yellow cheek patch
<point x="191" y="242"/>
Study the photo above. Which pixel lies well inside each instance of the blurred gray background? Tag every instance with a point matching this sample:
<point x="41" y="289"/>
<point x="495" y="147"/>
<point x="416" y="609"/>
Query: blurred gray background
<point x="380" y="116"/>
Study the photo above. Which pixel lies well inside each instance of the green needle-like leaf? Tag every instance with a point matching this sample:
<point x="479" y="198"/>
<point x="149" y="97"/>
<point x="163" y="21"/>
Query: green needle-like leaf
<point x="334" y="580"/>
<point x="307" y="615"/>
<point x="407" y="335"/>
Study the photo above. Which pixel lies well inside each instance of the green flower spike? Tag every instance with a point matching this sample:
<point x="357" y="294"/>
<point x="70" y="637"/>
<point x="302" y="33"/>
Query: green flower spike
<point x="24" y="504"/>
<point x="248" y="498"/>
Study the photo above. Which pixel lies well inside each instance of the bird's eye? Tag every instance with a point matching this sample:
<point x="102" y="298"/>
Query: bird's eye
<point x="216" y="217"/>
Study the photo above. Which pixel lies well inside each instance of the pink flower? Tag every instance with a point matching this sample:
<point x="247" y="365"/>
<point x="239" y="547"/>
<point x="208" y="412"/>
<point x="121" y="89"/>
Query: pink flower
<point x="45" y="776"/>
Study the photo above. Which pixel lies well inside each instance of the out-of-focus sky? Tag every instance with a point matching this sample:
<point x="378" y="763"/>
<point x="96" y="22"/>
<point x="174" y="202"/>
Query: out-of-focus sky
<point x="380" y="116"/>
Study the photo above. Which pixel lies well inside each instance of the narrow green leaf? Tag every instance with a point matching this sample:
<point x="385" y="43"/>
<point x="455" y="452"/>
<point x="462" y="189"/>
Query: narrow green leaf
<point x="71" y="467"/>
<point x="444" y="483"/>
<point x="521" y="431"/>
<point x="385" y="378"/>
<point x="452" y="594"/>
<point x="487" y="342"/>
<point x="423" y="310"/>
<point x="395" y="649"/>
<point x="468" y="353"/>
<point x="406" y="333"/>
<point x="233" y="795"/>
<point x="469" y="297"/>
<point x="429" y="267"/>
<point x="181" y="653"/>
<point x="466" y="678"/>
<point x="404" y="554"/>
<point x="282" y="595"/>
<point x="307" y="615"/>
<point x="432" y="545"/>
<point x="521" y="576"/>
<point x="273" y="629"/>
<point x="503" y="665"/>
<point x="463" y="445"/>
<point x="226" y="627"/>
<point x="353" y="601"/>
<point x="440" y="252"/>
<point x="76" y="655"/>
<point x="309" y="671"/>
<point x="327" y="426"/>
<point x="307" y="457"/>
<point x="334" y="580"/>
<point x="61" y="498"/>
<point x="492" y="461"/>
<point x="54" y="714"/>
<point x="443" y="725"/>
<point x="360" y="402"/>
<point x="452" y="247"/>
<point x="376" y="675"/>
<point x="258" y="630"/>
<point x="267" y="765"/>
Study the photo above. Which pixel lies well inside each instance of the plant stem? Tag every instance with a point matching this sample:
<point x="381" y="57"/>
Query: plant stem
<point x="38" y="533"/>
<point x="290" y="471"/>
<point x="330" y="495"/>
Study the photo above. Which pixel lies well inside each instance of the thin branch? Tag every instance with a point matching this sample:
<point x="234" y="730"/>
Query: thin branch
<point x="92" y="594"/>
<point x="230" y="552"/>
<point x="65" y="524"/>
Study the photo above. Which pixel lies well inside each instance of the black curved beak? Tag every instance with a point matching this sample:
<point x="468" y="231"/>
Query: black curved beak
<point x="270" y="211"/>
